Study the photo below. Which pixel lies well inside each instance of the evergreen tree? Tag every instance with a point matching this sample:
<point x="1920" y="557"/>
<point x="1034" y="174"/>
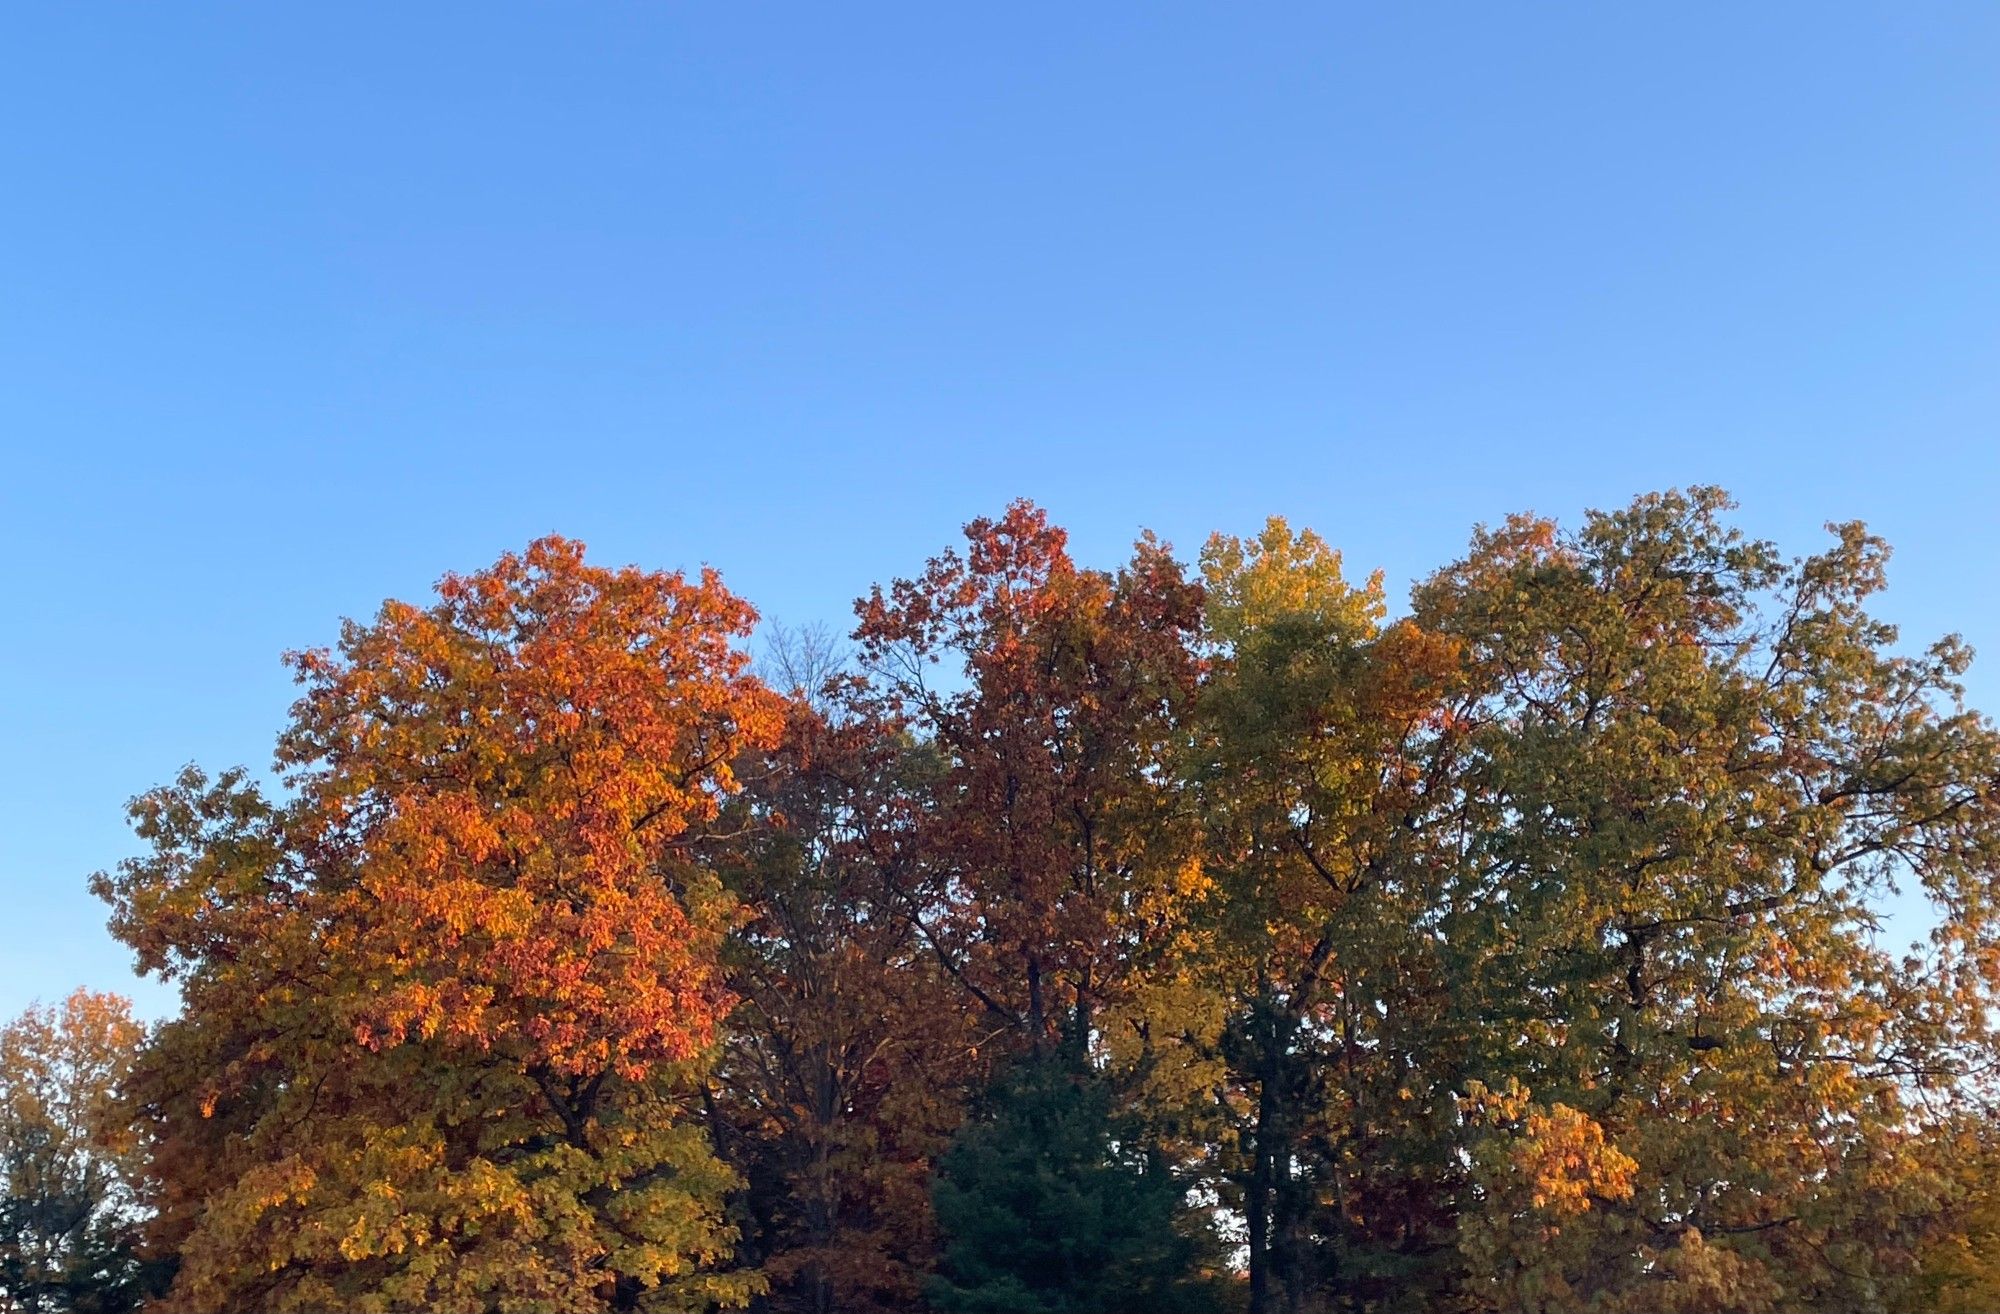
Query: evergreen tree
<point x="1048" y="1205"/>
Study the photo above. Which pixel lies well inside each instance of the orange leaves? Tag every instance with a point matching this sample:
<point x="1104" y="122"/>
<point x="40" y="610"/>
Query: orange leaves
<point x="1553" y="1158"/>
<point x="1542" y="1178"/>
<point x="507" y="773"/>
<point x="443" y="1002"/>
<point x="1605" y="815"/>
<point x="59" y="1068"/>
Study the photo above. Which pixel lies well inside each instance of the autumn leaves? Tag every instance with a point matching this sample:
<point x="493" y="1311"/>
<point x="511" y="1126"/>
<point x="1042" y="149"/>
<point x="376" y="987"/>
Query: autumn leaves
<point x="445" y="998"/>
<point x="1518" y="953"/>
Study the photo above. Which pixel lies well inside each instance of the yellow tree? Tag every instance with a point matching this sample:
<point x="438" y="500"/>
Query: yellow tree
<point x="1960" y="1257"/>
<point x="1323" y="748"/>
<point x="447" y="998"/>
<point x="68" y="1212"/>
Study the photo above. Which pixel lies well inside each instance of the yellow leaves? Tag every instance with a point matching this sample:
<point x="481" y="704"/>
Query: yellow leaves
<point x="59" y="1070"/>
<point x="1552" y="1158"/>
<point x="1192" y="879"/>
<point x="1482" y="1105"/>
<point x="1280" y="575"/>
<point x="380" y="1216"/>
<point x="272" y="1186"/>
<point x="66" y="1152"/>
<point x="1692" y="1276"/>
<point x="1543" y="1229"/>
<point x="1570" y="824"/>
<point x="1566" y="1158"/>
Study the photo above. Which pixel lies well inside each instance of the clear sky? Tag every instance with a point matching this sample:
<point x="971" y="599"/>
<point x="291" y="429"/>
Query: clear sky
<point x="301" y="306"/>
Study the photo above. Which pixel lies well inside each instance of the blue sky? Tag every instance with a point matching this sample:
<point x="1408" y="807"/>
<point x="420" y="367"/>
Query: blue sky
<point x="301" y="306"/>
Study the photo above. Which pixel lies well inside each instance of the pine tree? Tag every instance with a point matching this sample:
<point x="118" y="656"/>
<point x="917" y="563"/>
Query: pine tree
<point x="1050" y="1206"/>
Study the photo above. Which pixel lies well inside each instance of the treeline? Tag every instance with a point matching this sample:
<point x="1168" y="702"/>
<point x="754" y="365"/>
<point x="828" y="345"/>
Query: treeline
<point x="1167" y="937"/>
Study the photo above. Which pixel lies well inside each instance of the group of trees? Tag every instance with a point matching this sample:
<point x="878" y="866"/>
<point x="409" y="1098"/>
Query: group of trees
<point x="1165" y="937"/>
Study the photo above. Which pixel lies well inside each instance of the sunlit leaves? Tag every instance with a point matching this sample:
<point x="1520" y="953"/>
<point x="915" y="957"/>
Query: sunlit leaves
<point x="1519" y="952"/>
<point x="68" y="1211"/>
<point x="446" y="997"/>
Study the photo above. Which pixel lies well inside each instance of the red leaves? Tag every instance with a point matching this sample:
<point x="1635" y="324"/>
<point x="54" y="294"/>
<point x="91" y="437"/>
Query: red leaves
<point x="1049" y="825"/>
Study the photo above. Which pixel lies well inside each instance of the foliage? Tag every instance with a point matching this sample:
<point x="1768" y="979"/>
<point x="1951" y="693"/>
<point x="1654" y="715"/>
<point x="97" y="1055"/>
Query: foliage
<point x="1693" y="772"/>
<point x="1051" y="850"/>
<point x="840" y="1076"/>
<point x="67" y="1210"/>
<point x="1051" y="1205"/>
<point x="1960" y="1255"/>
<point x="446" y="1001"/>
<point x="1522" y="952"/>
<point x="1320" y="753"/>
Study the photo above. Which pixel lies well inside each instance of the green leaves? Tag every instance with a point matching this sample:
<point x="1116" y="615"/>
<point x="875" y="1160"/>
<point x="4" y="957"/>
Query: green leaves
<point x="1692" y="769"/>
<point x="1049" y="1204"/>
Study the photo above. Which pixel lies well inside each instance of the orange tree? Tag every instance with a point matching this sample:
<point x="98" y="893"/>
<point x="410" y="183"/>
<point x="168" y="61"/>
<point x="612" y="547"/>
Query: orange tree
<point x="446" y="999"/>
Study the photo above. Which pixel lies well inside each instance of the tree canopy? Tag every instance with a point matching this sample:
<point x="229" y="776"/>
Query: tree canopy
<point x="1210" y="935"/>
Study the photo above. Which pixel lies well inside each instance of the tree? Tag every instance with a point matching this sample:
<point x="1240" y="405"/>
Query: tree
<point x="1525" y="953"/>
<point x="447" y="1000"/>
<point x="1321" y="753"/>
<point x="1693" y="771"/>
<point x="1055" y="861"/>
<point x="1959" y="1259"/>
<point x="840" y="1077"/>
<point x="68" y="1212"/>
<point x="1049" y="1205"/>
<point x="1055" y="850"/>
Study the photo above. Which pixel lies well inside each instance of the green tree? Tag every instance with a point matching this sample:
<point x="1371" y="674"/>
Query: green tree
<point x="1695" y="772"/>
<point x="1049" y="1204"/>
